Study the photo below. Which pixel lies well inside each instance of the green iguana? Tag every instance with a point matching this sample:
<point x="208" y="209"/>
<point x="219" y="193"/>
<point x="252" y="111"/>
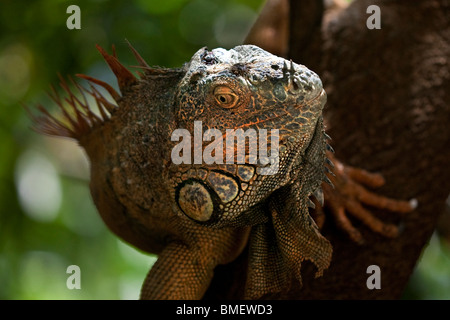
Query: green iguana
<point x="196" y="215"/>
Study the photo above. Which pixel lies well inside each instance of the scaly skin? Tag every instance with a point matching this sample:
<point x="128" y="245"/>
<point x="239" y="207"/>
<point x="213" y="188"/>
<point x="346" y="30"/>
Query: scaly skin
<point x="196" y="216"/>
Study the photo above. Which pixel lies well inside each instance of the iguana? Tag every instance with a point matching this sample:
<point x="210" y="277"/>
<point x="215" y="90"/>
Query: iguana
<point x="197" y="216"/>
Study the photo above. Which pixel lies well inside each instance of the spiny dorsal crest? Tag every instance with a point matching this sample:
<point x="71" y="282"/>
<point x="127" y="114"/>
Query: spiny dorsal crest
<point x="78" y="118"/>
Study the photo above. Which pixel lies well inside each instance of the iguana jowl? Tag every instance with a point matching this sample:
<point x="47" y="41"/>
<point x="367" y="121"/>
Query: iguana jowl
<point x="196" y="216"/>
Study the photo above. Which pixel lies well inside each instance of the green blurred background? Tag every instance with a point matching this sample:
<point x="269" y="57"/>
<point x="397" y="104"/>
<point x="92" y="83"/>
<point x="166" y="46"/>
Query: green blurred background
<point x="47" y="219"/>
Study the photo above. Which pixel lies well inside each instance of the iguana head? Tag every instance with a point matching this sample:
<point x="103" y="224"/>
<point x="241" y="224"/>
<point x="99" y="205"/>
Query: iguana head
<point x="247" y="87"/>
<point x="248" y="90"/>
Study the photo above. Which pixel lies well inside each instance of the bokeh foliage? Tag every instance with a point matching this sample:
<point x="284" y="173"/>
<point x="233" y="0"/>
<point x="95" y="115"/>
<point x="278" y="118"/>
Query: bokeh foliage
<point x="47" y="219"/>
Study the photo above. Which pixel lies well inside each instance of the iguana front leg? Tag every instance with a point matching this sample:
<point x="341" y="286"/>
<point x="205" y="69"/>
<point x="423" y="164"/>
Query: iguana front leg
<point x="184" y="270"/>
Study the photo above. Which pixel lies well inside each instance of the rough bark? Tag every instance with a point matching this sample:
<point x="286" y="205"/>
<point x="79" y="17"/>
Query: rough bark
<point x="388" y="111"/>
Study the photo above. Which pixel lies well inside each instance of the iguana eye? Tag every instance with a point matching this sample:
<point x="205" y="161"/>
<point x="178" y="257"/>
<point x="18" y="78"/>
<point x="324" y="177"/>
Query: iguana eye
<point x="225" y="97"/>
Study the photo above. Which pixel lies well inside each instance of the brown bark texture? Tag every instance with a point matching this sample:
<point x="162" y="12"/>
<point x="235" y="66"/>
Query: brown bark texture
<point x="388" y="111"/>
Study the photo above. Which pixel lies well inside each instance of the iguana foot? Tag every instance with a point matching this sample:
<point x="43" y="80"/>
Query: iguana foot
<point x="350" y="194"/>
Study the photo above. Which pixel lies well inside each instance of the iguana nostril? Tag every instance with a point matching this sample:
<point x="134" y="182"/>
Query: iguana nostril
<point x="195" y="201"/>
<point x="208" y="57"/>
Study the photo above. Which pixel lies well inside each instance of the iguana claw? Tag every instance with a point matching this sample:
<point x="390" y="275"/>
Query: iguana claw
<point x="350" y="194"/>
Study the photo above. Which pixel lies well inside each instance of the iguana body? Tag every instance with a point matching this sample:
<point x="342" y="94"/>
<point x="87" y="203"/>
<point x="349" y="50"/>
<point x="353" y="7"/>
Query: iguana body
<point x="197" y="216"/>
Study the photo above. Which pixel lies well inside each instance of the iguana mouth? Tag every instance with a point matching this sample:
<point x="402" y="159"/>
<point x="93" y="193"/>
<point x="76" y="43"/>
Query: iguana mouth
<point x="283" y="113"/>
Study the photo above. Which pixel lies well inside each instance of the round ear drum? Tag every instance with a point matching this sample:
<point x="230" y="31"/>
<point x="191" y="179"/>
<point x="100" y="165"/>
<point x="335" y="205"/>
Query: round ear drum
<point x="195" y="200"/>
